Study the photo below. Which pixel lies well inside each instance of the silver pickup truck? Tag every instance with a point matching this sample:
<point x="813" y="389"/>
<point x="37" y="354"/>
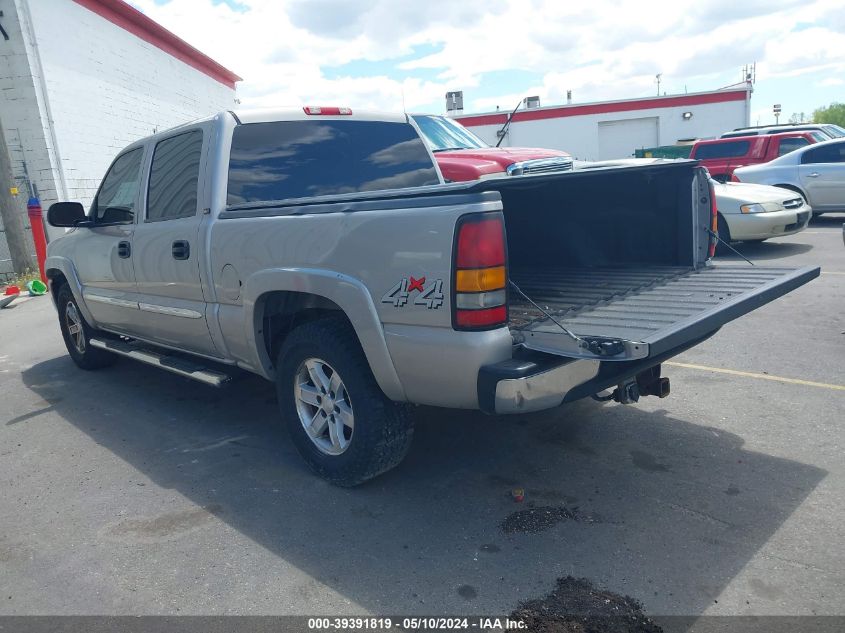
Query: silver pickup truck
<point x="321" y="250"/>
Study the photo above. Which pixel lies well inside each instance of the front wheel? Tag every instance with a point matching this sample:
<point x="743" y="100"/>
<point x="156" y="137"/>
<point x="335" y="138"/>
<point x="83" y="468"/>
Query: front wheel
<point x="77" y="334"/>
<point x="340" y="421"/>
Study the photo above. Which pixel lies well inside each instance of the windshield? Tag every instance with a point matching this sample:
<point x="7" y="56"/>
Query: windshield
<point x="834" y="131"/>
<point x="443" y="133"/>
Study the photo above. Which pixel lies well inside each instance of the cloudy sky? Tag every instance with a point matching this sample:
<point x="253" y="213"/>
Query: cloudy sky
<point x="388" y="53"/>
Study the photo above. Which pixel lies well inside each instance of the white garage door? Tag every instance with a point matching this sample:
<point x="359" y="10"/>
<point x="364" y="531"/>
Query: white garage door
<point x="619" y="139"/>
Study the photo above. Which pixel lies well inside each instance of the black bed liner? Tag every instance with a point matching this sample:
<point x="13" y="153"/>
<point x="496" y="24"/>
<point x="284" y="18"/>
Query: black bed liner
<point x="651" y="308"/>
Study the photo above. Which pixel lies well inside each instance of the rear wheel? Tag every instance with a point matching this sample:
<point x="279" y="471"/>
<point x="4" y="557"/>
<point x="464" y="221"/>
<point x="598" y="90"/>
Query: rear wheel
<point x="342" y="424"/>
<point x="77" y="334"/>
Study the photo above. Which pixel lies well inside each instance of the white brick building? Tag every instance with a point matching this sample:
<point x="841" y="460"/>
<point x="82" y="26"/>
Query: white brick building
<point x="614" y="129"/>
<point x="81" y="79"/>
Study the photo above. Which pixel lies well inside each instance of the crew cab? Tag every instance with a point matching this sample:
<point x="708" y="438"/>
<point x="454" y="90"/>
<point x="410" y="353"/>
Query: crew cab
<point x="722" y="155"/>
<point x="322" y="250"/>
<point x="462" y="156"/>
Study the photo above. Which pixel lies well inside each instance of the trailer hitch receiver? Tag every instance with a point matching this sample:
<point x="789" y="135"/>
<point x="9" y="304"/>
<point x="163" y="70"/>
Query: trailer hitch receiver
<point x="645" y="383"/>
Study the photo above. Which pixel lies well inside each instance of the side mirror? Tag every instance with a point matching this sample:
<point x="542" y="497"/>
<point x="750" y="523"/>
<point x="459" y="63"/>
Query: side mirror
<point x="65" y="214"/>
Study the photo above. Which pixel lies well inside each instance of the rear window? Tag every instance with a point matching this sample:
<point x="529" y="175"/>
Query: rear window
<point x="733" y="149"/>
<point x="298" y="159"/>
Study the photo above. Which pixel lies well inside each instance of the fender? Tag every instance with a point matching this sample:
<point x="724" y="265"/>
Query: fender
<point x="66" y="267"/>
<point x="347" y="292"/>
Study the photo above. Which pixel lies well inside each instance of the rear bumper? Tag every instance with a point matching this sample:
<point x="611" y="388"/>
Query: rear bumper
<point x="522" y="386"/>
<point x="543" y="381"/>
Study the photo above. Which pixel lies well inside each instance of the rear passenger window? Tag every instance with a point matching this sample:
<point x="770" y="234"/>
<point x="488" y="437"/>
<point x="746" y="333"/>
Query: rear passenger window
<point x="789" y="144"/>
<point x="174" y="177"/>
<point x="299" y="159"/>
<point x="733" y="149"/>
<point x="834" y="153"/>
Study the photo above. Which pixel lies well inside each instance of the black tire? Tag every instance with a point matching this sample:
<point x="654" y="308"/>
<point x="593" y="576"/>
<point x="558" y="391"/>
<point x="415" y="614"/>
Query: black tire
<point x="724" y="234"/>
<point x="85" y="356"/>
<point x="383" y="429"/>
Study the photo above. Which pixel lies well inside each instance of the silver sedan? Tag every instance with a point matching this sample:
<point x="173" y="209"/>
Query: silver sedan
<point x="817" y="172"/>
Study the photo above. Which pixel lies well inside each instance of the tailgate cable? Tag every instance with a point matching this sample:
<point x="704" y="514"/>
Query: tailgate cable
<point x="581" y="342"/>
<point x="598" y="347"/>
<point x="716" y="235"/>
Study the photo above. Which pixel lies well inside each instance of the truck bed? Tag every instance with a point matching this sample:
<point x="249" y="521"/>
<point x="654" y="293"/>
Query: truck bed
<point x="656" y="308"/>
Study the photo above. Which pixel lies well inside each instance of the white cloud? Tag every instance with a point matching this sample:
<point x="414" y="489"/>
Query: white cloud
<point x="600" y="50"/>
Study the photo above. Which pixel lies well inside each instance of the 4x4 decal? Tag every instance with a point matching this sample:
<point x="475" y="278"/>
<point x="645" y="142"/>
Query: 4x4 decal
<point x="430" y="296"/>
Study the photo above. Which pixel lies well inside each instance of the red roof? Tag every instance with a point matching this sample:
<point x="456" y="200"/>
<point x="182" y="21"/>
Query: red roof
<point x="130" y="19"/>
<point x="647" y="103"/>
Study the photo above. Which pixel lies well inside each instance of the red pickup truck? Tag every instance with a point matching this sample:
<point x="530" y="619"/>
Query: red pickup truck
<point x="462" y="156"/>
<point x="722" y="155"/>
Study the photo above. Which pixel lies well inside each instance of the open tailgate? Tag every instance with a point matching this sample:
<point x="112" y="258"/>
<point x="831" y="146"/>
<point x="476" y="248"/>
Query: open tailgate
<point x="622" y="314"/>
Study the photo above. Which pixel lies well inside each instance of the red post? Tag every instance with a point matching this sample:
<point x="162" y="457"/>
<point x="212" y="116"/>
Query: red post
<point x="36" y="221"/>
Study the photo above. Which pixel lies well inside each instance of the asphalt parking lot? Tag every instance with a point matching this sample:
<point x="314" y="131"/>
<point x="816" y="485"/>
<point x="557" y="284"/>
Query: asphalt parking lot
<point x="131" y="491"/>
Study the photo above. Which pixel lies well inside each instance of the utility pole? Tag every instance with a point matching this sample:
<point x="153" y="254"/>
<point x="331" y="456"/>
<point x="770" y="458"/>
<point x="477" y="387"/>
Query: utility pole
<point x="10" y="212"/>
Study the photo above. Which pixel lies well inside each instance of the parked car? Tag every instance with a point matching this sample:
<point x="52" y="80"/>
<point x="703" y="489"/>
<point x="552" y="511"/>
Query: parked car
<point x="829" y="130"/>
<point x="321" y="250"/>
<point x="462" y="156"/>
<point x="753" y="213"/>
<point x="722" y="155"/>
<point x="817" y="172"/>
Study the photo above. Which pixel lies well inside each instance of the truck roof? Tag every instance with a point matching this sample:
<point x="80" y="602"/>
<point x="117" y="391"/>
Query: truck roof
<point x="760" y="138"/>
<point x="267" y="115"/>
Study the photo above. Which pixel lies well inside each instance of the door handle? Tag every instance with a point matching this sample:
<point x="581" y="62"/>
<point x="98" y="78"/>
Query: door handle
<point x="124" y="249"/>
<point x="181" y="249"/>
<point x="815" y="174"/>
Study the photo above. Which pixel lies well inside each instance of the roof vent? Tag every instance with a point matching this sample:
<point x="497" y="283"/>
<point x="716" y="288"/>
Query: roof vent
<point x="532" y="102"/>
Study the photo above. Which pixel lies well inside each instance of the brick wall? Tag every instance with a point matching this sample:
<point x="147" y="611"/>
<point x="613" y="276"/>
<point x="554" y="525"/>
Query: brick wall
<point x="105" y="87"/>
<point x="22" y="105"/>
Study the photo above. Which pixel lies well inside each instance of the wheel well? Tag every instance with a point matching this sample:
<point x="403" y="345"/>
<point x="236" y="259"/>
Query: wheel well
<point x="723" y="223"/>
<point x="278" y="312"/>
<point x="57" y="280"/>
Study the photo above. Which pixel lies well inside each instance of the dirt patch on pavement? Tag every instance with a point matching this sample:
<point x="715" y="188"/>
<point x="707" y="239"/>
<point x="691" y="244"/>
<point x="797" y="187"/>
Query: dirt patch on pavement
<point x="577" y="606"/>
<point x="164" y="526"/>
<point x="533" y="520"/>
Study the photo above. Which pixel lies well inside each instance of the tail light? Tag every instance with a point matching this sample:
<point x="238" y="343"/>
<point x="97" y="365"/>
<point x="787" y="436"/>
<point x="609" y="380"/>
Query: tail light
<point x="714" y="221"/>
<point x="479" y="288"/>
<point x="326" y="110"/>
